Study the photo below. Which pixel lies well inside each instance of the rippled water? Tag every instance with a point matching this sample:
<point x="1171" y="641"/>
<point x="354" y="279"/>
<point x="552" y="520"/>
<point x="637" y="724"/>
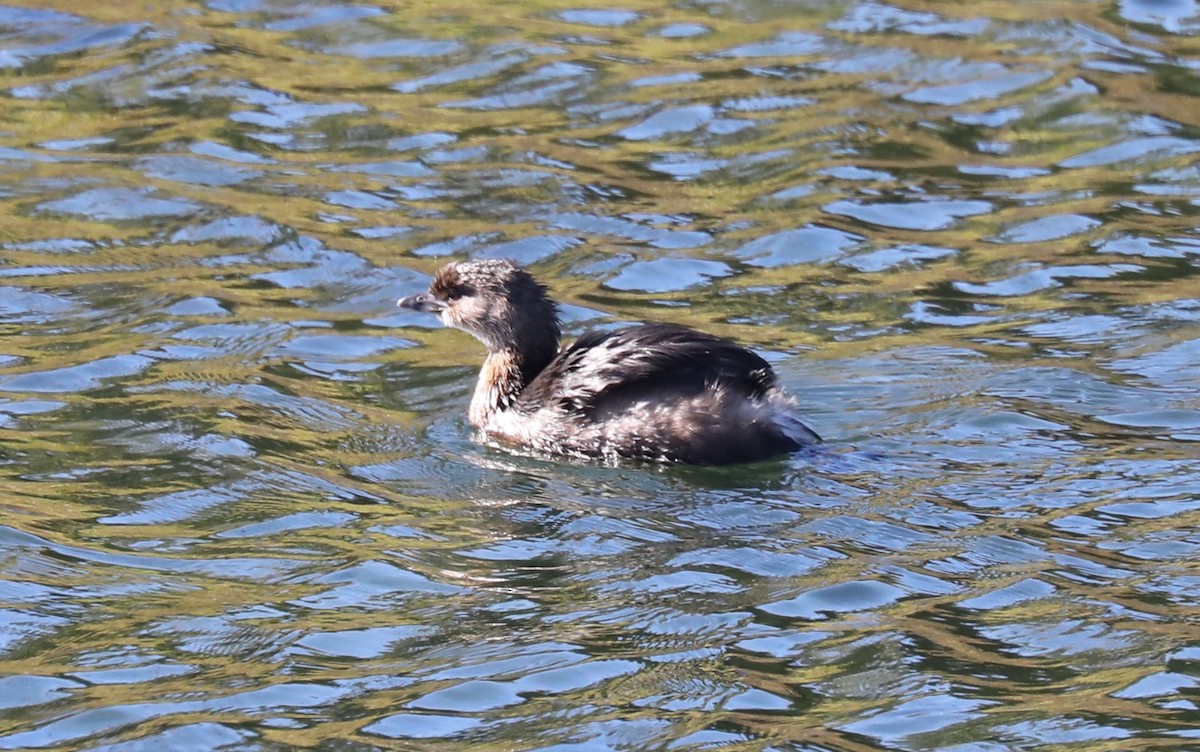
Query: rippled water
<point x="242" y="507"/>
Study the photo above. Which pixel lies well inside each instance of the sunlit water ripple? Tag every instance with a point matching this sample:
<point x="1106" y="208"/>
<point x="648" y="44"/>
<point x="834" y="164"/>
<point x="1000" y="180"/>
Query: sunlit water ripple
<point x="242" y="506"/>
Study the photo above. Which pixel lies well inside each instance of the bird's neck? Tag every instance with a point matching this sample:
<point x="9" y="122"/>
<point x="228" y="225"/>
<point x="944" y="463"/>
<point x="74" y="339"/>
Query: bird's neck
<point x="505" y="374"/>
<point x="501" y="381"/>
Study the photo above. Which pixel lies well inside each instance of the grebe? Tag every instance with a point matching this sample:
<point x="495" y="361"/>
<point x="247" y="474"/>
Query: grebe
<point x="657" y="392"/>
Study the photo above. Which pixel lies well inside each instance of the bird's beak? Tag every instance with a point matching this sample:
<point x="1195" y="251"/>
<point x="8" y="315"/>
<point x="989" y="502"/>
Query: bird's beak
<point x="423" y="302"/>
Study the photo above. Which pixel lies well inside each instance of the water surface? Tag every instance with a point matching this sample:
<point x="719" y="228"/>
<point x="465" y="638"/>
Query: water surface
<point x="243" y="510"/>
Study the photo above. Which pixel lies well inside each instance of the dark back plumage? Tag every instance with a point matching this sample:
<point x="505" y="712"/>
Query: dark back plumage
<point x="647" y="361"/>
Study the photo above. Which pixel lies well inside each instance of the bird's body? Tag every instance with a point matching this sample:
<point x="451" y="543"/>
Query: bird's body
<point x="655" y="392"/>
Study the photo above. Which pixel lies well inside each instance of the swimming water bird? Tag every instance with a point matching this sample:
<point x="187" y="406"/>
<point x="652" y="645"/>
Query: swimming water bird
<point x="657" y="392"/>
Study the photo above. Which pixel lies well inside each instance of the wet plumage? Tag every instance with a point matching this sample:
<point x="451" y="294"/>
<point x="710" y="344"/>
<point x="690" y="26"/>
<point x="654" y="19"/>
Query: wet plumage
<point x="656" y="392"/>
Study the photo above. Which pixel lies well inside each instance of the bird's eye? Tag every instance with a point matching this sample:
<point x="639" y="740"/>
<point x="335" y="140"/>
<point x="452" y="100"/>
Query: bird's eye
<point x="456" y="292"/>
